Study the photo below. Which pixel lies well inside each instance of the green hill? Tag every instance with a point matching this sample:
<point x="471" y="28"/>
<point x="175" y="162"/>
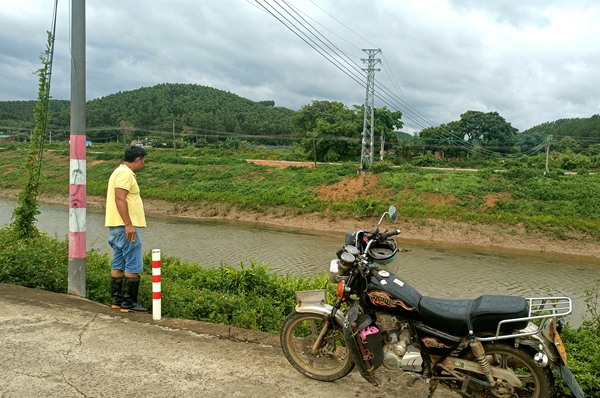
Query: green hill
<point x="200" y="109"/>
<point x="577" y="134"/>
<point x="576" y="127"/>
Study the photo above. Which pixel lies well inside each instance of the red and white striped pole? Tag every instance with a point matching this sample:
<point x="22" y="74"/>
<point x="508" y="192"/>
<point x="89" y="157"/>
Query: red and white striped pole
<point x="77" y="168"/>
<point x="156" y="289"/>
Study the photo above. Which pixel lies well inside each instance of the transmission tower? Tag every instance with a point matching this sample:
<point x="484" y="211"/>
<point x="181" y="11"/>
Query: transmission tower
<point x="368" y="136"/>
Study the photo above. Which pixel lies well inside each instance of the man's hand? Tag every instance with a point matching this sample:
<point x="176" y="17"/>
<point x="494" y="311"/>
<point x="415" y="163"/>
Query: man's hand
<point x="130" y="233"/>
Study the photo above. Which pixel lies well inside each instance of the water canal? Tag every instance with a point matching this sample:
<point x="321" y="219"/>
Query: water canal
<point x="447" y="271"/>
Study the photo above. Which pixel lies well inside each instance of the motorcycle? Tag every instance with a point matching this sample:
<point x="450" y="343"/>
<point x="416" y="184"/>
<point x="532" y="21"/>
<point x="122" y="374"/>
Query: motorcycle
<point x="492" y="346"/>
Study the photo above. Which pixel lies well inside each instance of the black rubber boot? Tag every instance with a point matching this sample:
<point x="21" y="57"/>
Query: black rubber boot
<point x="130" y="294"/>
<point x="116" y="289"/>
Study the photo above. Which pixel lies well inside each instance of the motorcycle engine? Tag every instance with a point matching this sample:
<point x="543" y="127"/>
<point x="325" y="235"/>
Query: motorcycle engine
<point x="398" y="350"/>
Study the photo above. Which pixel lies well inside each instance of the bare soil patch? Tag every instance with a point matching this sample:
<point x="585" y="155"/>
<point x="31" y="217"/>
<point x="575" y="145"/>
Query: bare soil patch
<point x="280" y="163"/>
<point x="353" y="187"/>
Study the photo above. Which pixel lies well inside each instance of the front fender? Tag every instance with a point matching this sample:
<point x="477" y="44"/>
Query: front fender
<point x="314" y="302"/>
<point x="321" y="309"/>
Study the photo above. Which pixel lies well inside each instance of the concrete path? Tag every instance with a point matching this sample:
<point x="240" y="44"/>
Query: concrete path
<point x="56" y="345"/>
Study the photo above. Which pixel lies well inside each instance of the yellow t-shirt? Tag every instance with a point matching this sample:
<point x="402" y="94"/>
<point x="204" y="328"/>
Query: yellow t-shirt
<point x="123" y="177"/>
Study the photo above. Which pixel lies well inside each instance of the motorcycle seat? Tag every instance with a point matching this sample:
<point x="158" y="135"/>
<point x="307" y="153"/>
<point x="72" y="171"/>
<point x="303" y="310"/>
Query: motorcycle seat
<point x="482" y="314"/>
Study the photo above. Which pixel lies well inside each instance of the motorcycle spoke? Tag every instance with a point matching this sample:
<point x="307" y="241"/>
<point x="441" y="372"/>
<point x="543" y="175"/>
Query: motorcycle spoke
<point x="535" y="382"/>
<point x="313" y="327"/>
<point x="329" y="361"/>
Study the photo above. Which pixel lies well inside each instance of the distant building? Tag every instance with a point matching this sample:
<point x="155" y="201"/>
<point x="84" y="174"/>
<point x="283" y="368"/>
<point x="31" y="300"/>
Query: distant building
<point x="9" y="138"/>
<point x="140" y="142"/>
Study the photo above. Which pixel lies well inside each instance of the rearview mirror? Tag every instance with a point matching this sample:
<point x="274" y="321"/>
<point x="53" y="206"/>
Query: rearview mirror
<point x="393" y="213"/>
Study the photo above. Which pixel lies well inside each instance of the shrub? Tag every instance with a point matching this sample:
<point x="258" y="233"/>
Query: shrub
<point x="248" y="297"/>
<point x="427" y="161"/>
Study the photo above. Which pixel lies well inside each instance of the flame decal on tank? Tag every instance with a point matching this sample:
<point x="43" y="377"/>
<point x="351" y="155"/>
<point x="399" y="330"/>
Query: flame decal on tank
<point x="383" y="298"/>
<point x="430" y="342"/>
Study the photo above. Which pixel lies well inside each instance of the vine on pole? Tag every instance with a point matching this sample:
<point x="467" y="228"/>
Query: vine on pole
<point x="24" y="215"/>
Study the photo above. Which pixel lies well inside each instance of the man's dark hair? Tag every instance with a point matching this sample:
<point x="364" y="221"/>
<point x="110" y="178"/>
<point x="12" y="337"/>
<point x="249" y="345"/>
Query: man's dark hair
<point x="134" y="152"/>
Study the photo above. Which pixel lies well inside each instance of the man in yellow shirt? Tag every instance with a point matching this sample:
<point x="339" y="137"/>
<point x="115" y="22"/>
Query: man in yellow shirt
<point x="124" y="218"/>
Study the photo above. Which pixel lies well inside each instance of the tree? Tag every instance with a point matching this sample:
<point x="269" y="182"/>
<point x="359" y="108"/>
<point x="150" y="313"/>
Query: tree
<point x="488" y="129"/>
<point x="127" y="132"/>
<point x="446" y="138"/>
<point x="334" y="131"/>
<point x="527" y="142"/>
<point x="328" y="128"/>
<point x="474" y="129"/>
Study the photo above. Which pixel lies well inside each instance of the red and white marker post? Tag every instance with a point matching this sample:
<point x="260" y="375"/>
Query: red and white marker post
<point x="156" y="288"/>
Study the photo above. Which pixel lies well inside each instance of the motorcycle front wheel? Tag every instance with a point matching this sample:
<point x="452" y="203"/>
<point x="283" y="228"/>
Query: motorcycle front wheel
<point x="330" y="361"/>
<point x="536" y="382"/>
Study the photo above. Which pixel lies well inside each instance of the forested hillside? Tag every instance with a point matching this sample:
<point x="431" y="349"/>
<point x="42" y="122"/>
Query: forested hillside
<point x="182" y="115"/>
<point x="17" y="115"/>
<point x="577" y="127"/>
<point x="193" y="108"/>
<point x="577" y="134"/>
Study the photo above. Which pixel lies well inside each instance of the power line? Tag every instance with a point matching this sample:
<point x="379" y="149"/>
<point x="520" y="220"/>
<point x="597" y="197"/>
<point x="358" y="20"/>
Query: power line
<point x="384" y="94"/>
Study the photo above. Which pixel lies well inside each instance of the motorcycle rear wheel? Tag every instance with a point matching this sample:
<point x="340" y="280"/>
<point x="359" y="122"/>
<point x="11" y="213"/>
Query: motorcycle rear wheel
<point x="537" y="382"/>
<point x="330" y="362"/>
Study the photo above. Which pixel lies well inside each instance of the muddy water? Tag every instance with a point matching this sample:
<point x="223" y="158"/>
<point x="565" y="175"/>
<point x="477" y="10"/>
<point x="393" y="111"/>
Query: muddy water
<point x="435" y="270"/>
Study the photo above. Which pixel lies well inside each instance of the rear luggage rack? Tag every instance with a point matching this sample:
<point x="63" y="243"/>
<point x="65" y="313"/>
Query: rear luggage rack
<point x="539" y="308"/>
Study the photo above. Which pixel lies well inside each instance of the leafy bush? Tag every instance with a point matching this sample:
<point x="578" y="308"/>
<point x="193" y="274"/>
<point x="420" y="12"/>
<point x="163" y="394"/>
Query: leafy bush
<point x="39" y="263"/>
<point x="427" y="161"/>
<point x="249" y="297"/>
<point x="574" y="161"/>
<point x="382" y="166"/>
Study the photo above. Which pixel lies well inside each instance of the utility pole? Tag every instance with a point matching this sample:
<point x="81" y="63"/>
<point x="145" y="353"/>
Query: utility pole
<point x="77" y="179"/>
<point x="367" y="135"/>
<point x="547" y="153"/>
<point x="382" y="145"/>
<point x="174" y="150"/>
<point x="314" y="148"/>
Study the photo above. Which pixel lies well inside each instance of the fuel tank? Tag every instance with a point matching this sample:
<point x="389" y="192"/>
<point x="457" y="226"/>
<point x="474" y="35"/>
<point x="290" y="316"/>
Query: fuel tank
<point x="396" y="297"/>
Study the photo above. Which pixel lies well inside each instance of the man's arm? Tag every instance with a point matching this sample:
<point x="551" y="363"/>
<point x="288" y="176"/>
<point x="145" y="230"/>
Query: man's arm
<point x="123" y="209"/>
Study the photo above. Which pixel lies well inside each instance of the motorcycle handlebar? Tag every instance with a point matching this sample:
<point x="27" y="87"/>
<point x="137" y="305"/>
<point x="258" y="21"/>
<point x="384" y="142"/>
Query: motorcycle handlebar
<point x="385" y="235"/>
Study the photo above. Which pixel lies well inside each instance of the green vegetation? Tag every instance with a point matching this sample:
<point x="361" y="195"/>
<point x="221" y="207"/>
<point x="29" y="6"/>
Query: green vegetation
<point x="24" y="214"/>
<point x="330" y="131"/>
<point x="199" y="115"/>
<point x="583" y="347"/>
<point x="249" y="297"/>
<point x="558" y="204"/>
<point x="188" y="115"/>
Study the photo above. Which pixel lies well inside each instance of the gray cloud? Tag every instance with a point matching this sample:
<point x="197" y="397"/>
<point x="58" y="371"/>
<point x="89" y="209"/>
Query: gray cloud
<point x="532" y="61"/>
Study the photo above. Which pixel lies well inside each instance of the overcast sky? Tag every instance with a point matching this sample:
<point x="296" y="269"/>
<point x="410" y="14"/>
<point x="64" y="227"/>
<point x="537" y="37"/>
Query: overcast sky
<point x="532" y="61"/>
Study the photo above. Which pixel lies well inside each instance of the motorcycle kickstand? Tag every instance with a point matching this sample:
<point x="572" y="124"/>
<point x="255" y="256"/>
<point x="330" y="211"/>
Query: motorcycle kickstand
<point x="432" y="387"/>
<point x="463" y="390"/>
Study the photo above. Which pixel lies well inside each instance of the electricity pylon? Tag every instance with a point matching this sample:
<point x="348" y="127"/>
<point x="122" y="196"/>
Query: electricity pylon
<point x="368" y="137"/>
